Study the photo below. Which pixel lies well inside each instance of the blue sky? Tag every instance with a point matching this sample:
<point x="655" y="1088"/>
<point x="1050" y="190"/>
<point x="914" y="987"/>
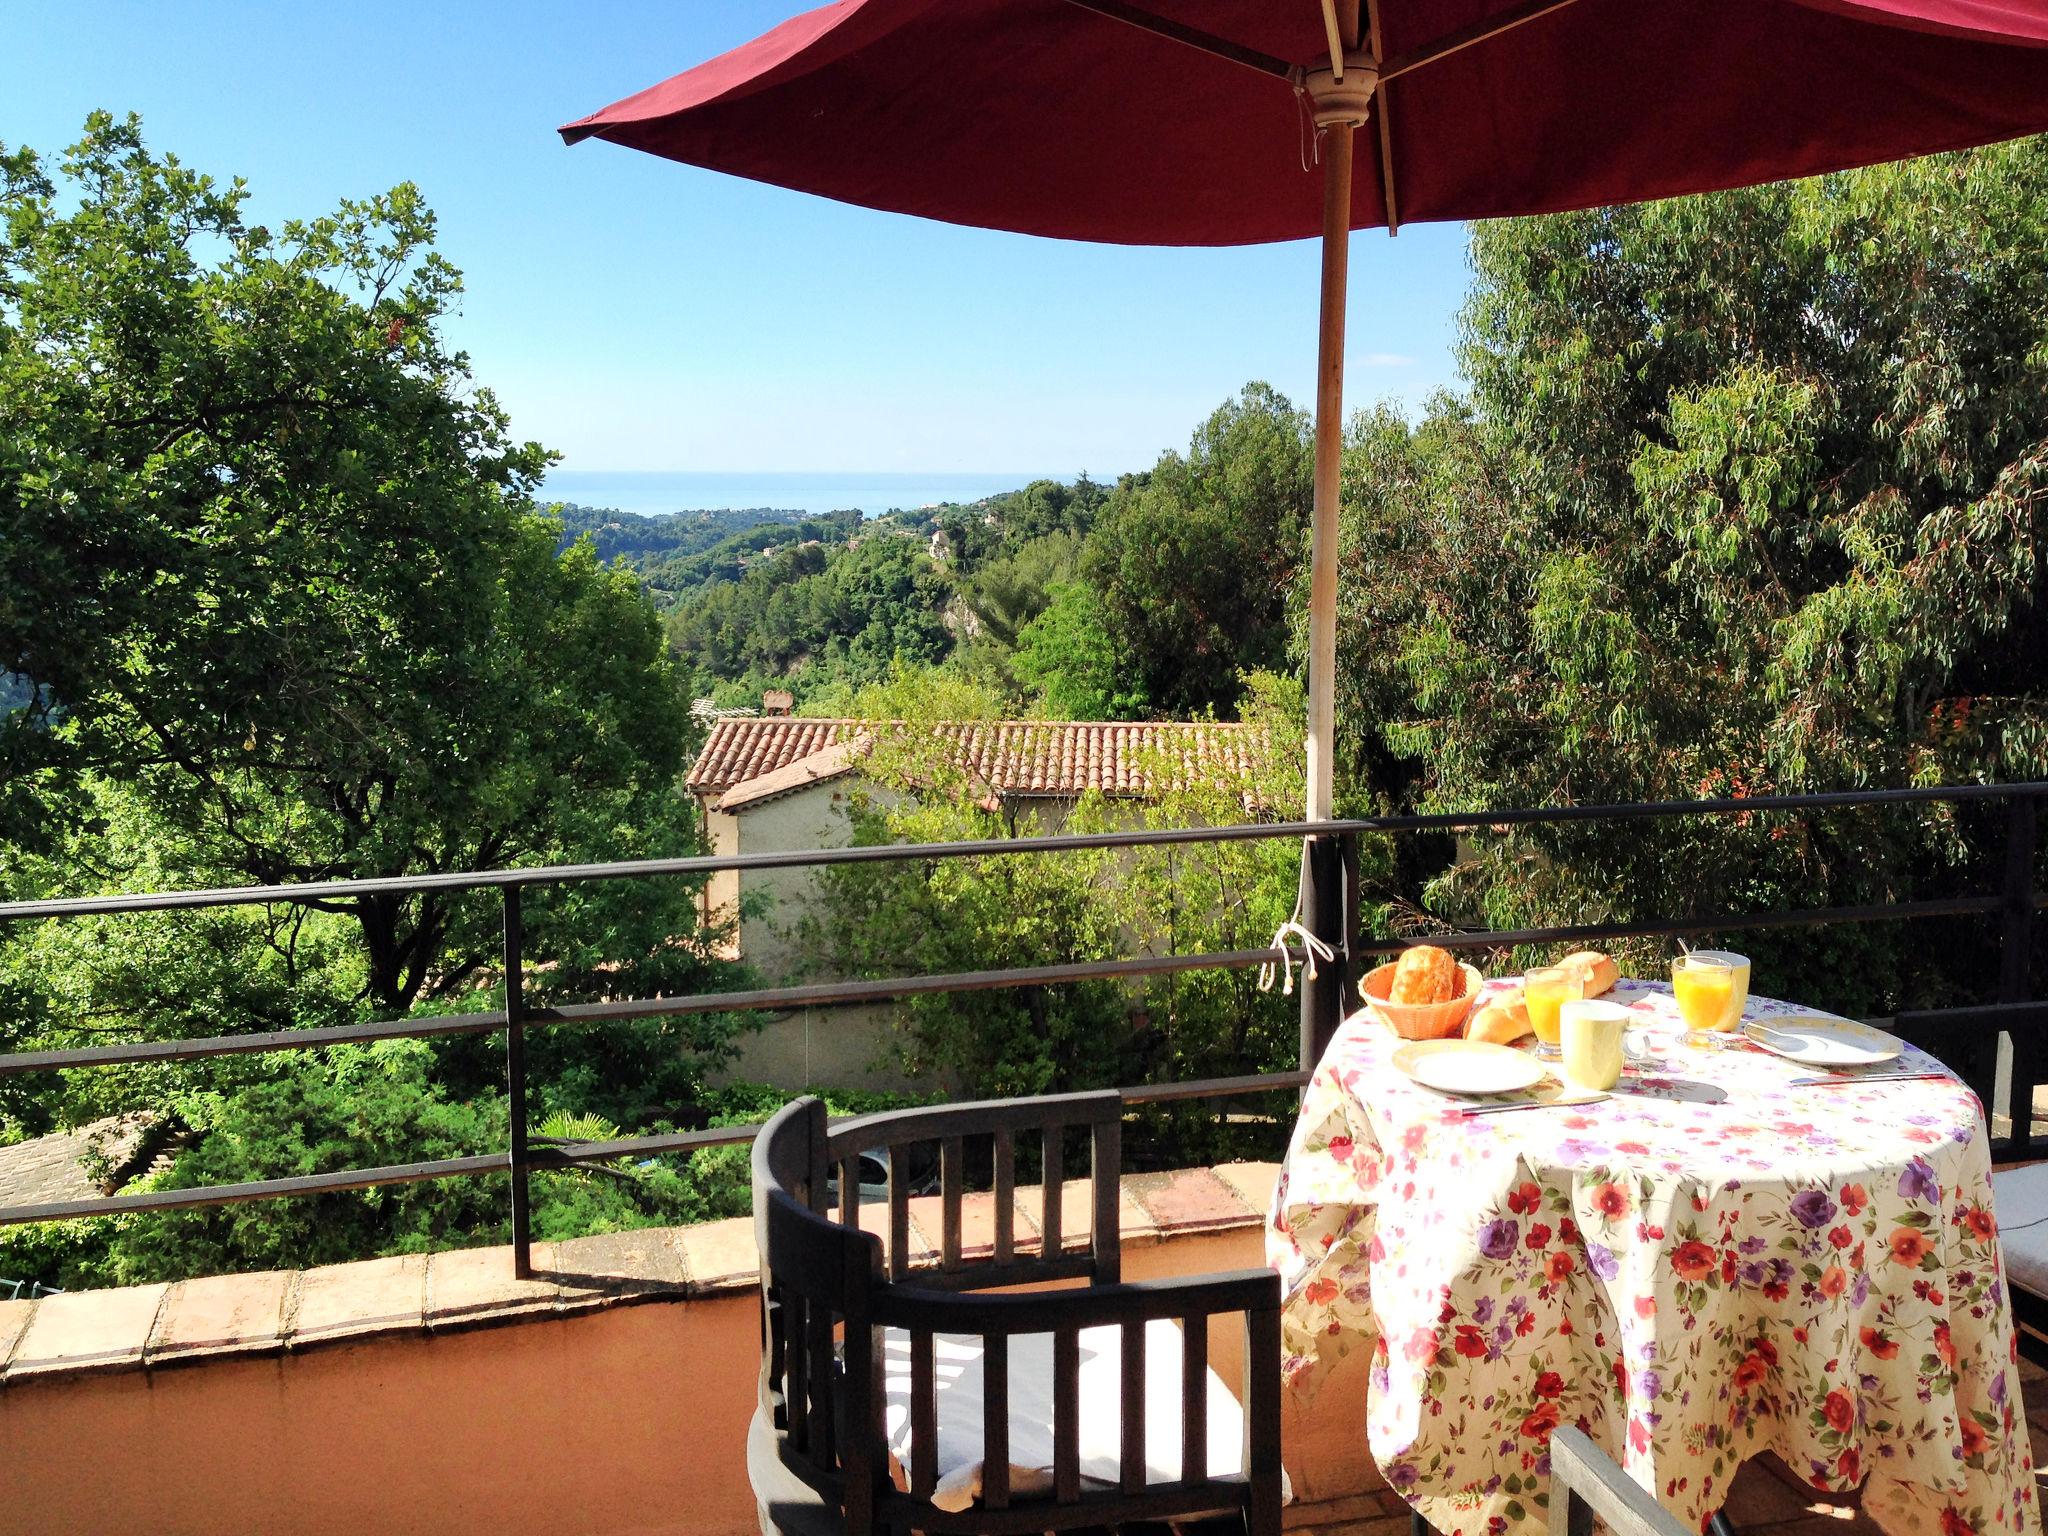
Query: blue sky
<point x="636" y="314"/>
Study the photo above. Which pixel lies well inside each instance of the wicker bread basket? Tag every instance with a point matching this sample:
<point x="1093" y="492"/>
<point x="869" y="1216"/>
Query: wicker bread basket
<point x="1421" y="1021"/>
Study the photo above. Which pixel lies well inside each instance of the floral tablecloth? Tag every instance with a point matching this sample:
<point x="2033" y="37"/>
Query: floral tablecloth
<point x="1708" y="1264"/>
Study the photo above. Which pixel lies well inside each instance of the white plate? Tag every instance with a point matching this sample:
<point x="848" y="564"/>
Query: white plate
<point x="1818" y="1040"/>
<point x="1469" y="1066"/>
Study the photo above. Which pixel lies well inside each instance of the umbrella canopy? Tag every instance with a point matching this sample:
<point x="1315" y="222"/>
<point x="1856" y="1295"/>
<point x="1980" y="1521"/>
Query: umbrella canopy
<point x="1181" y="123"/>
<point x="1198" y="122"/>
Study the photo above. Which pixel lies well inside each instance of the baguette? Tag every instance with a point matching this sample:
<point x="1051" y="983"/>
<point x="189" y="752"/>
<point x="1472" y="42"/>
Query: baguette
<point x="1502" y="1021"/>
<point x="1596" y="972"/>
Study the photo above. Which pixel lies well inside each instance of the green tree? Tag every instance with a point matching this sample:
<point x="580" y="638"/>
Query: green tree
<point x="1070" y="658"/>
<point x="271" y="562"/>
<point x="1195" y="563"/>
<point x="1746" y="497"/>
<point x="1024" y="910"/>
<point x="272" y="577"/>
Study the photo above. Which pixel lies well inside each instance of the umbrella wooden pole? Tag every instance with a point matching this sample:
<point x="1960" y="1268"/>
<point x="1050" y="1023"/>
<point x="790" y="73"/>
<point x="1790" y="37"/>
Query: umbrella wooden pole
<point x="1322" y="863"/>
<point x="1322" y="589"/>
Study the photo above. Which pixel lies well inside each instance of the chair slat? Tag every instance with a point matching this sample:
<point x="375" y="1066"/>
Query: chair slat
<point x="995" y="1421"/>
<point x="1262" y="1419"/>
<point x="1006" y="1196"/>
<point x="1131" y="1461"/>
<point x="824" y="1421"/>
<point x="899" y="1212"/>
<point x="849" y="1193"/>
<point x="951" y="1176"/>
<point x="2029" y="1066"/>
<point x="1055" y="1182"/>
<point x="924" y="1417"/>
<point x="1066" y="1414"/>
<point x="796" y="1393"/>
<point x="1105" y="1237"/>
<point x="1194" y="1399"/>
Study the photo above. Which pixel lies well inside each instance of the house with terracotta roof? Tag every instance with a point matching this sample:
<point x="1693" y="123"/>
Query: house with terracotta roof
<point x="775" y="784"/>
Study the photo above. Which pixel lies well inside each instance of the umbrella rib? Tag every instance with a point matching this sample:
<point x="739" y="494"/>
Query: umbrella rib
<point x="1382" y="122"/>
<point x="1206" y="42"/>
<point x="1465" y="37"/>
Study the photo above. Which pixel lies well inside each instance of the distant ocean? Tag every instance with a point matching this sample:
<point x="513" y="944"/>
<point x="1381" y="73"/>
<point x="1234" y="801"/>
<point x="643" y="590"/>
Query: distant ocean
<point x="656" y="491"/>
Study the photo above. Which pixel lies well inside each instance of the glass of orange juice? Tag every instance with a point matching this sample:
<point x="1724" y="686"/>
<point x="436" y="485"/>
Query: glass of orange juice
<point x="1704" y="986"/>
<point x="1545" y="990"/>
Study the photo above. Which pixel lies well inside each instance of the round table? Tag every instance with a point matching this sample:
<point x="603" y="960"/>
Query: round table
<point x="1709" y="1263"/>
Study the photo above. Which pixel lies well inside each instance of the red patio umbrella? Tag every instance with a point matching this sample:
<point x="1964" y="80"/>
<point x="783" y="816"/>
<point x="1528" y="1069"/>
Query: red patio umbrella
<point x="1196" y="122"/>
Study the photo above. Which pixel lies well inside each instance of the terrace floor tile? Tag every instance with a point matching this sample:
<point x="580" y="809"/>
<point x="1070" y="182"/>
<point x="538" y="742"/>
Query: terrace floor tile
<point x="373" y="1296"/>
<point x="1189" y="1199"/>
<point x="1253" y="1182"/>
<point x="594" y="1271"/>
<point x="88" y="1330"/>
<point x="472" y="1285"/>
<point x="720" y="1255"/>
<point x="14" y="1320"/>
<point x="222" y="1315"/>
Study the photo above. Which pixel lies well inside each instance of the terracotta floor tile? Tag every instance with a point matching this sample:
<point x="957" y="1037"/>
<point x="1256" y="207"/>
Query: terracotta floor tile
<point x="373" y="1296"/>
<point x="1189" y="1198"/>
<point x="977" y="1221"/>
<point x="88" y="1330"/>
<point x="14" y="1318"/>
<point x="1077" y="1208"/>
<point x="720" y="1255"/>
<point x="645" y="1261"/>
<point x="1253" y="1182"/>
<point x="470" y="1284"/>
<point x="222" y="1315"/>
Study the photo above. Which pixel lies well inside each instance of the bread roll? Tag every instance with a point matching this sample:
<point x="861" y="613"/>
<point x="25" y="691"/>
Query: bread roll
<point x="1595" y="971"/>
<point x="1502" y="1021"/>
<point x="1426" y="974"/>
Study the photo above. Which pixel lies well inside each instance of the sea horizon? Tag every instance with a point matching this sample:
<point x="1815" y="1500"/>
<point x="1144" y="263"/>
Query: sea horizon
<point x="654" y="492"/>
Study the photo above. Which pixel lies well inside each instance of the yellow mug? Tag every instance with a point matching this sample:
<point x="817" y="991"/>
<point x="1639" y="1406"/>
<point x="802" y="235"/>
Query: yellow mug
<point x="1591" y="1032"/>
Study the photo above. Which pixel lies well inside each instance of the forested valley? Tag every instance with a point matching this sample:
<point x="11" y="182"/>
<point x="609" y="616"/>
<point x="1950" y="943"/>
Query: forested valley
<point x="1740" y="494"/>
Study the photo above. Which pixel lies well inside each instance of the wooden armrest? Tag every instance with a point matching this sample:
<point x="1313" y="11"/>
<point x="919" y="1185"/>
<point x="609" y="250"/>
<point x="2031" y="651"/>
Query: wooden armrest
<point x="1584" y="1482"/>
<point x="913" y="1306"/>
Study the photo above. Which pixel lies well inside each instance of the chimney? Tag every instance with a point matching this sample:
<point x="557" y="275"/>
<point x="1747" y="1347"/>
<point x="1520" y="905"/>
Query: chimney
<point x="777" y="701"/>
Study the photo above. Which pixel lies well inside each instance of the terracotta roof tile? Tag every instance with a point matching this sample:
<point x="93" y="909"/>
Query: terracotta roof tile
<point x="1013" y="757"/>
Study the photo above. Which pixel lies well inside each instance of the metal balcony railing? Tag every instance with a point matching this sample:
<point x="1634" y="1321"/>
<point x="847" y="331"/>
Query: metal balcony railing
<point x="1330" y="850"/>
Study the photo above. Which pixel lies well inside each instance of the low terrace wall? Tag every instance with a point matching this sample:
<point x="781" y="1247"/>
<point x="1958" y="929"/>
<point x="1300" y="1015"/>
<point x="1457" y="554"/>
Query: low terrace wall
<point x="609" y="1396"/>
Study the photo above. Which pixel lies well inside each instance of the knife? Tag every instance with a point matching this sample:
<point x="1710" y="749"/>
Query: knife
<point x="1508" y="1109"/>
<point x="1838" y="1080"/>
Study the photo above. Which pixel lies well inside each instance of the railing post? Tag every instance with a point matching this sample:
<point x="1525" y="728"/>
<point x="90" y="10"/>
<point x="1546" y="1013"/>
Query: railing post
<point x="1354" y="928"/>
<point x="1323" y="914"/>
<point x="515" y="1080"/>
<point x="2016" y="944"/>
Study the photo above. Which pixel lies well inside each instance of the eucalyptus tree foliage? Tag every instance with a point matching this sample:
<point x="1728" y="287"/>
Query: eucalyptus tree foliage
<point x="1747" y="496"/>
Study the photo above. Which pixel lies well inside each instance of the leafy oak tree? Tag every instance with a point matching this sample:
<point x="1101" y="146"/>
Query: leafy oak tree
<point x="276" y="604"/>
<point x="270" y="562"/>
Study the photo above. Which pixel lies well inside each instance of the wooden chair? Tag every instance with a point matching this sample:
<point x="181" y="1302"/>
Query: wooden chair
<point x="870" y="1366"/>
<point x="1585" y="1483"/>
<point x="1968" y="1041"/>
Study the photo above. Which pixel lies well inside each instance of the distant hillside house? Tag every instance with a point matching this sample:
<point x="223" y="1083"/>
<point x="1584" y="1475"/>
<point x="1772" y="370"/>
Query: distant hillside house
<point x="776" y="784"/>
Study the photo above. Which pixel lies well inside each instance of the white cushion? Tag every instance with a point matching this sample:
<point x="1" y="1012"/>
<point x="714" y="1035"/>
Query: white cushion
<point x="2019" y="1197"/>
<point x="957" y="1391"/>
